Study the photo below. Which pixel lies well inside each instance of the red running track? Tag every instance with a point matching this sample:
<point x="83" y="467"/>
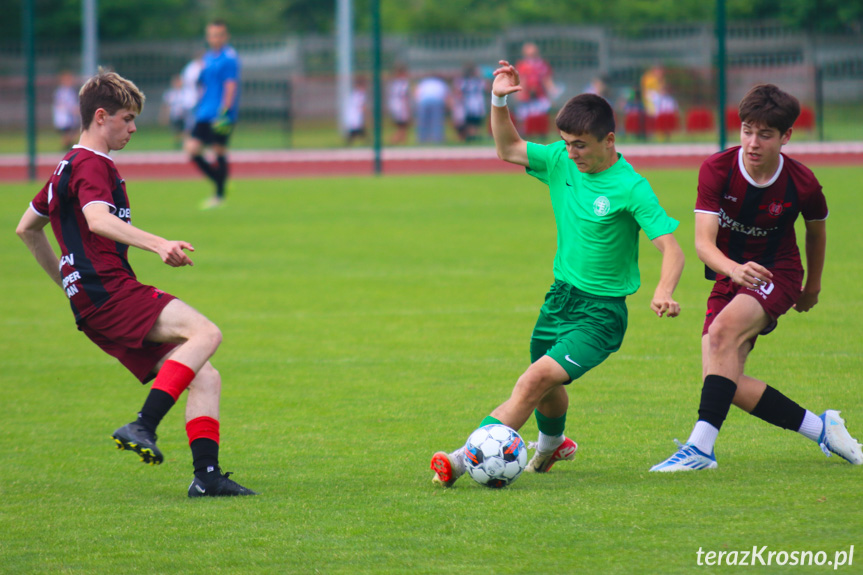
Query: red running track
<point x="398" y="161"/>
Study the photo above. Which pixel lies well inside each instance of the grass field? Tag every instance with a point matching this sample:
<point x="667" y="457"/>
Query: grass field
<point x="370" y="322"/>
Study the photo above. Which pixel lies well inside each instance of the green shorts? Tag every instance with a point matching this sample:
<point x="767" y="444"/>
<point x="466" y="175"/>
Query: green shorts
<point x="578" y="330"/>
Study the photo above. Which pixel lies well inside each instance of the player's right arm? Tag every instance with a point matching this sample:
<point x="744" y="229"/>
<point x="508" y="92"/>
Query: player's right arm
<point x="509" y="145"/>
<point x="102" y="222"/>
<point x="31" y="230"/>
<point x="749" y="274"/>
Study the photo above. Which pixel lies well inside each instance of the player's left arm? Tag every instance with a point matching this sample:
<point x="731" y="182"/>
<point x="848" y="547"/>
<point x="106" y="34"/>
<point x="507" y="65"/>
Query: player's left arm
<point x="102" y="222"/>
<point x="663" y="302"/>
<point x="223" y="123"/>
<point x="229" y="94"/>
<point x="816" y="250"/>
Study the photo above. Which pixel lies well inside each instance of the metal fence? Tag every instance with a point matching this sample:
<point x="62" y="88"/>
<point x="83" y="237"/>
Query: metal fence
<point x="292" y="79"/>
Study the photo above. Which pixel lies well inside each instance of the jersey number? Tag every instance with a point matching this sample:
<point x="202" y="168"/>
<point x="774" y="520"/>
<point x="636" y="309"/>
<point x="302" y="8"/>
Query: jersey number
<point x="766" y="288"/>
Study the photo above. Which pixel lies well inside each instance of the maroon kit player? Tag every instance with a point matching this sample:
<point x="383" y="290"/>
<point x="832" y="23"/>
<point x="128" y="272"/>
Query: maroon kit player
<point x="152" y="333"/>
<point x="749" y="197"/>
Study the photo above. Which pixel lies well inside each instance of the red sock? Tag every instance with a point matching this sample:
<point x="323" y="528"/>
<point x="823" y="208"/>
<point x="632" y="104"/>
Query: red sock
<point x="174" y="378"/>
<point x="203" y="435"/>
<point x="203" y="428"/>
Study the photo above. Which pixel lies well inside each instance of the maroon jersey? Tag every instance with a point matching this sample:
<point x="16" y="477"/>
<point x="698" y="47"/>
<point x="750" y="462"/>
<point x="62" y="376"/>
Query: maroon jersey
<point x="92" y="267"/>
<point x="756" y="222"/>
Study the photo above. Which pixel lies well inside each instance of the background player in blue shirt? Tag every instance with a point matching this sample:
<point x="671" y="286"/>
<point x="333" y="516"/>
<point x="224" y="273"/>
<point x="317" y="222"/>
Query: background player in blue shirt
<point x="217" y="109"/>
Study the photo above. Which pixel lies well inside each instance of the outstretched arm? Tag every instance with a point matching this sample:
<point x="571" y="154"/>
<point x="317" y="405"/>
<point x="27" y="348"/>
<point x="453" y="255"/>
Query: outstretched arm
<point x="509" y="145"/>
<point x="816" y="248"/>
<point x="672" y="267"/>
<point x="31" y="230"/>
<point x="102" y="222"/>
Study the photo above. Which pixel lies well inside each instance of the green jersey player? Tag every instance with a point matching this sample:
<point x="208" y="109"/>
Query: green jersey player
<point x="600" y="203"/>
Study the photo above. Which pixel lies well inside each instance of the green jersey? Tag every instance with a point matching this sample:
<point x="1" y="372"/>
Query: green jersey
<point x="598" y="217"/>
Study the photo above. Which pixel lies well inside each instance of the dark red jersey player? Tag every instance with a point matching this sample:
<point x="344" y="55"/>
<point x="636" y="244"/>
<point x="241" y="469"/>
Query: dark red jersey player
<point x="152" y="333"/>
<point x="756" y="221"/>
<point x="748" y="200"/>
<point x="92" y="267"/>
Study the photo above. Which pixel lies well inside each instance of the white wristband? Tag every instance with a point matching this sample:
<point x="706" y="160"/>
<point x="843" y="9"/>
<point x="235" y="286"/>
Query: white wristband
<point x="498" y="101"/>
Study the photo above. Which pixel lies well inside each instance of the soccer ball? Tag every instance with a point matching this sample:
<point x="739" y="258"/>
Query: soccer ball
<point x="495" y="455"/>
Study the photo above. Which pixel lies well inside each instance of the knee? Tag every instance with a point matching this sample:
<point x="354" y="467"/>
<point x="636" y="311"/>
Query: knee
<point x="536" y="382"/>
<point x="214" y="335"/>
<point x="193" y="148"/>
<point x="722" y="338"/>
<point x="210" y="336"/>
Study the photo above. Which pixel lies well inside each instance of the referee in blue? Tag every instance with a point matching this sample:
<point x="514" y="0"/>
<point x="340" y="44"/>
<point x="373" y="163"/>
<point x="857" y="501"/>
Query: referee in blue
<point x="217" y="109"/>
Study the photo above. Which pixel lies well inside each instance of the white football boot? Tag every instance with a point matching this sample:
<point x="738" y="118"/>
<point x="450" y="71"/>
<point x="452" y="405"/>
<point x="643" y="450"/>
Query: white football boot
<point x="836" y="439"/>
<point x="687" y="458"/>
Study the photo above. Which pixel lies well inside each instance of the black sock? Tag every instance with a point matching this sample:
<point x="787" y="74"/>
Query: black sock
<point x="778" y="410"/>
<point x="716" y="397"/>
<point x="157" y="404"/>
<point x="221" y="175"/>
<point x="205" y="458"/>
<point x="205" y="167"/>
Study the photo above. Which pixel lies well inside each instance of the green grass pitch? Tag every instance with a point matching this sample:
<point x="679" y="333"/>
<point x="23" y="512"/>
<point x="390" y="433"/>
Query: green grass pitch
<point x="369" y="322"/>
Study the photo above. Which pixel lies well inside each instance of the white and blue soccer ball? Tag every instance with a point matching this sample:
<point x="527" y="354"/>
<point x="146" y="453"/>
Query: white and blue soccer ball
<point x="495" y="455"/>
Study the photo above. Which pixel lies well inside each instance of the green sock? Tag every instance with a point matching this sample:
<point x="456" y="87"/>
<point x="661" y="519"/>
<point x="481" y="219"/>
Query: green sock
<point x="552" y="426"/>
<point x="489" y="420"/>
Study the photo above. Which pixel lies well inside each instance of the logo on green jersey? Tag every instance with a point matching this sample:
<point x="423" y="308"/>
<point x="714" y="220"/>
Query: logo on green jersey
<point x="601" y="206"/>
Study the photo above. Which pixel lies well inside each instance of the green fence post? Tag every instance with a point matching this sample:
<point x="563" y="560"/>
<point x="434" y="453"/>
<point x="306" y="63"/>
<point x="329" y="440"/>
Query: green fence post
<point x="376" y="39"/>
<point x="720" y="70"/>
<point x="28" y="34"/>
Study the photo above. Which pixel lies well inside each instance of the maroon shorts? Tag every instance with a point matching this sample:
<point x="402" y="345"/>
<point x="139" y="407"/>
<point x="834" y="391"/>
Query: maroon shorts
<point x="120" y="325"/>
<point x="776" y="297"/>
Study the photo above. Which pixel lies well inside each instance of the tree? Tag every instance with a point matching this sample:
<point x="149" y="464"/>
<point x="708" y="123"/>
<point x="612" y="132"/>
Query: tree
<point x="60" y="20"/>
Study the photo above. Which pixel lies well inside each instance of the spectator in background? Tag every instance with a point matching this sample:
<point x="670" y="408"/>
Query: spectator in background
<point x="67" y="119"/>
<point x="192" y="91"/>
<point x="355" y="112"/>
<point x="635" y="114"/>
<point x="399" y="103"/>
<point x="652" y="84"/>
<point x="665" y="102"/>
<point x="456" y="112"/>
<point x="472" y="93"/>
<point x="432" y="96"/>
<point x="667" y="114"/>
<point x="181" y="100"/>
<point x="173" y="111"/>
<point x="598" y="87"/>
<point x="538" y="90"/>
<point x="217" y="109"/>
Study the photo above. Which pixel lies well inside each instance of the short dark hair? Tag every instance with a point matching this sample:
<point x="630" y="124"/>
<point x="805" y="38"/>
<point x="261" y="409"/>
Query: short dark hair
<point x="767" y="105"/>
<point x="111" y="92"/>
<point x="586" y="114"/>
